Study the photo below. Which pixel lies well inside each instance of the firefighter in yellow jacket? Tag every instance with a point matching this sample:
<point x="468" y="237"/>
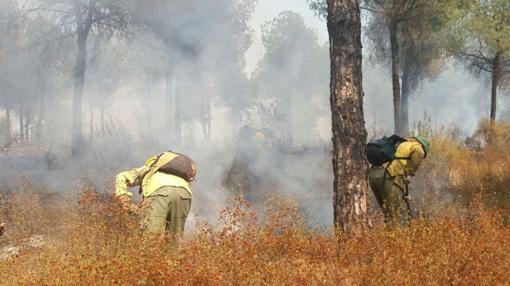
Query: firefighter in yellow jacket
<point x="166" y="196"/>
<point x="389" y="181"/>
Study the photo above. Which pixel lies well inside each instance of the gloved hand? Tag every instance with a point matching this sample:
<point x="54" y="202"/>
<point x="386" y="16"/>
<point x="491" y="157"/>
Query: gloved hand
<point x="127" y="205"/>
<point x="125" y="201"/>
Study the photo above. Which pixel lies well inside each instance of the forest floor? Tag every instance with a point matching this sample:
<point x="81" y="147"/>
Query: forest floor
<point x="87" y="239"/>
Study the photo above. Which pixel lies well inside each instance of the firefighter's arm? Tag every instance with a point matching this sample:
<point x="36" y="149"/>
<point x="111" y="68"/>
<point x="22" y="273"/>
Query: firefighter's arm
<point x="125" y="180"/>
<point x="417" y="156"/>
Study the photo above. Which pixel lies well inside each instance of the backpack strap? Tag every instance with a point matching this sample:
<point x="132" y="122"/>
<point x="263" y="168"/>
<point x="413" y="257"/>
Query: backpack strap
<point x="161" y="160"/>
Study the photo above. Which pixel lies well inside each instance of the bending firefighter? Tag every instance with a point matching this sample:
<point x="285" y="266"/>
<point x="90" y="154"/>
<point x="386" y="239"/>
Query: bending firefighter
<point x="165" y="184"/>
<point x="394" y="160"/>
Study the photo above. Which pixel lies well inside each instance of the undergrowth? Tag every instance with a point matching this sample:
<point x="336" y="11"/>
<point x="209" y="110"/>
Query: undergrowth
<point x="92" y="241"/>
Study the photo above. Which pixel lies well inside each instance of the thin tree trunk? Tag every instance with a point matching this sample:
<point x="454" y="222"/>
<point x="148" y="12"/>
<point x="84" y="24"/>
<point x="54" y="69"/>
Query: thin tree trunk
<point x="494" y="87"/>
<point x="395" y="74"/>
<point x="8" y="122"/>
<point x="350" y="167"/>
<point x="406" y="93"/>
<point x="42" y="107"/>
<point x="169" y="90"/>
<point x="79" y="81"/>
<point x="82" y="30"/>
<point x="91" y="123"/>
<point x="177" y="110"/>
<point x="101" y="110"/>
<point x="38" y="127"/>
<point x="288" y="117"/>
<point x="206" y="120"/>
<point x="21" y="125"/>
<point x="27" y="123"/>
<point x="173" y="101"/>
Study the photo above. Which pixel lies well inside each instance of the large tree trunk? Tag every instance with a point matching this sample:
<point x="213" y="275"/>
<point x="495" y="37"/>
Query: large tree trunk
<point x="395" y="74"/>
<point x="350" y="167"/>
<point x="494" y="88"/>
<point x="406" y="93"/>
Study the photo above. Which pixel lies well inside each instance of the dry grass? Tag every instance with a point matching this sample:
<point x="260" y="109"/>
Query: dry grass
<point x="91" y="241"/>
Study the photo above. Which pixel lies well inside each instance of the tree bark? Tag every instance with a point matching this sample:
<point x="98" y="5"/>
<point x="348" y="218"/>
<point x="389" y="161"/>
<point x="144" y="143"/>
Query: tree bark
<point x="494" y="88"/>
<point x="406" y="93"/>
<point x="395" y="74"/>
<point x="350" y="167"/>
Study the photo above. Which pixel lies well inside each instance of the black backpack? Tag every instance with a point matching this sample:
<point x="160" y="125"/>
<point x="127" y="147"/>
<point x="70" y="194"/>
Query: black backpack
<point x="383" y="150"/>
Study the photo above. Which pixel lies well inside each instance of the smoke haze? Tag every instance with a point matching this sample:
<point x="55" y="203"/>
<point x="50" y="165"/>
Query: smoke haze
<point x="190" y="76"/>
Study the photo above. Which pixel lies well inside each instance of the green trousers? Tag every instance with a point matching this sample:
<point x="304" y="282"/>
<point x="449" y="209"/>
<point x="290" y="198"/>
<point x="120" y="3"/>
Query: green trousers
<point x="165" y="211"/>
<point x="389" y="195"/>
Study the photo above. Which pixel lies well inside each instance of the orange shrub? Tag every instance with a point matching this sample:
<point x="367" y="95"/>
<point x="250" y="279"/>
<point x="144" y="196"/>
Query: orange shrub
<point x="94" y="242"/>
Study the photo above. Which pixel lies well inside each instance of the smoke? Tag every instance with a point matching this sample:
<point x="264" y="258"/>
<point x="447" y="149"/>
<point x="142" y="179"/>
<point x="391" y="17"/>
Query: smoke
<point x="178" y="79"/>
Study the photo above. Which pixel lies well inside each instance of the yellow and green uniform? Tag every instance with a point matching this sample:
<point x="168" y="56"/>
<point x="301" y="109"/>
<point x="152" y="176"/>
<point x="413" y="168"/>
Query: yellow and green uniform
<point x="167" y="198"/>
<point x="388" y="181"/>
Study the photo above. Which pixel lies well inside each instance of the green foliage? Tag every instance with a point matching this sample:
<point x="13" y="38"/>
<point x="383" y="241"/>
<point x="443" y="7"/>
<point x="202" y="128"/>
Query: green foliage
<point x="419" y="28"/>
<point x="489" y="21"/>
<point x="319" y="7"/>
<point x="482" y="31"/>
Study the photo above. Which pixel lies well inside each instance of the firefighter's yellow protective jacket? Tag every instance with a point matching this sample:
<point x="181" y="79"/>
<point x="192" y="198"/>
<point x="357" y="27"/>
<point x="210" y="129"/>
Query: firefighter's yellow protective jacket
<point x="401" y="168"/>
<point x="149" y="181"/>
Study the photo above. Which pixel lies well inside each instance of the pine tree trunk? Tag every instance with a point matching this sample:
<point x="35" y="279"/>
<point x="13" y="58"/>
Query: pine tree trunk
<point x="83" y="27"/>
<point x="406" y="93"/>
<point x="79" y="82"/>
<point x="494" y="87"/>
<point x="350" y="167"/>
<point x="395" y="74"/>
